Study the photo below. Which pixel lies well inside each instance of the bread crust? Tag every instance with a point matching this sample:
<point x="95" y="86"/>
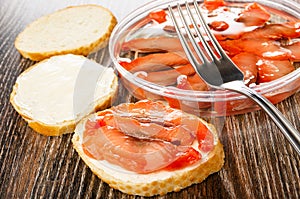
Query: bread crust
<point x="66" y="126"/>
<point x="84" y="50"/>
<point x="177" y="181"/>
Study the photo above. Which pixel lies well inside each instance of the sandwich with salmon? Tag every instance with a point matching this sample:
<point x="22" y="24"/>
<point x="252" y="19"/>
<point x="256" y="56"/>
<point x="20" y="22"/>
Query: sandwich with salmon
<point x="147" y="148"/>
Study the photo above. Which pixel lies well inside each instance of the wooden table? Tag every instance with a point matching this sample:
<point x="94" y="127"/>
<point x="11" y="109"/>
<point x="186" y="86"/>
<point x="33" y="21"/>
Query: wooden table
<point x="259" y="161"/>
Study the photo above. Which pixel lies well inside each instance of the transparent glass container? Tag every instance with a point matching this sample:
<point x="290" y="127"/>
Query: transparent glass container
<point x="204" y="103"/>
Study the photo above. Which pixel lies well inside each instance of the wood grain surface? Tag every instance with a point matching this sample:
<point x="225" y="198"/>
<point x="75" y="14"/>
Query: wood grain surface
<point x="259" y="161"/>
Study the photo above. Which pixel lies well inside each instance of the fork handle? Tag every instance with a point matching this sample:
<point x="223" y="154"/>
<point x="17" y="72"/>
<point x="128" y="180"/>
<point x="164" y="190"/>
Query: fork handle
<point x="289" y="131"/>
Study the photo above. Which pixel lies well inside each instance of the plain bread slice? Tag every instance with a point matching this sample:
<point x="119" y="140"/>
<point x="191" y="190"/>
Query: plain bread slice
<point x="78" y="30"/>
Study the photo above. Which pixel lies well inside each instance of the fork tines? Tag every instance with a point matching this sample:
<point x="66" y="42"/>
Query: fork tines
<point x="186" y="24"/>
<point x="200" y="46"/>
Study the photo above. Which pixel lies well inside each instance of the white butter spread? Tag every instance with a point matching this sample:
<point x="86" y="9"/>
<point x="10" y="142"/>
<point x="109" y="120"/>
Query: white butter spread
<point x="63" y="88"/>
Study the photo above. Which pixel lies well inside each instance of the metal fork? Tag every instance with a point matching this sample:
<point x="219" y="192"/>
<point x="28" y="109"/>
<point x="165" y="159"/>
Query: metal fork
<point x="219" y="71"/>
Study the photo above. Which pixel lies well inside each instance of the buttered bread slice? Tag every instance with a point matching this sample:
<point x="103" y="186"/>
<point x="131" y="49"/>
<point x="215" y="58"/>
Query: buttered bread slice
<point x="53" y="95"/>
<point x="76" y="29"/>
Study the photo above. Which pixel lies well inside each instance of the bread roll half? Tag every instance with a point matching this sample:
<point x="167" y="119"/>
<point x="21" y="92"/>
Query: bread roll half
<point x="76" y="29"/>
<point x="53" y="95"/>
<point x="157" y="183"/>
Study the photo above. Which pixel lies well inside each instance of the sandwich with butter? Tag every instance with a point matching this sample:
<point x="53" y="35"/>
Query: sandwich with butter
<point x="78" y="30"/>
<point x="54" y="94"/>
<point x="147" y="148"/>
